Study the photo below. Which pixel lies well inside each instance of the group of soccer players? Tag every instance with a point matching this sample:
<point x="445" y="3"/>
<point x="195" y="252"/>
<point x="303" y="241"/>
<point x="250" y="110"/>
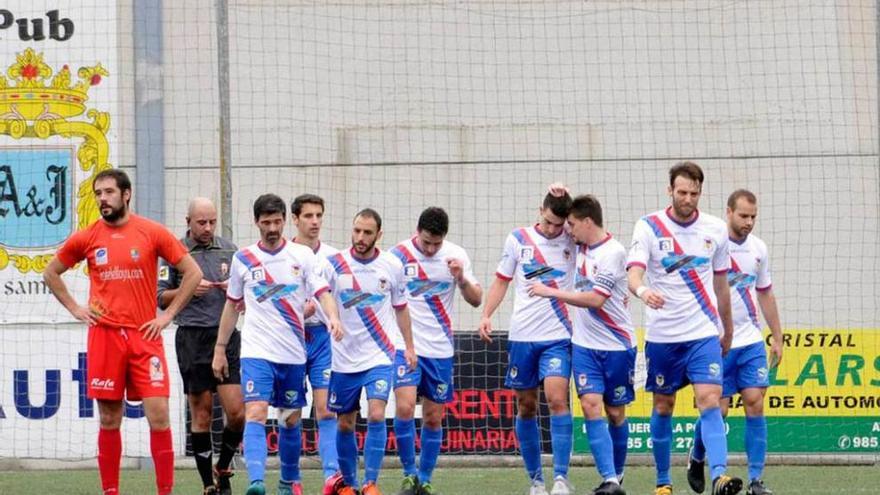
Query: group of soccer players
<point x="366" y="320"/>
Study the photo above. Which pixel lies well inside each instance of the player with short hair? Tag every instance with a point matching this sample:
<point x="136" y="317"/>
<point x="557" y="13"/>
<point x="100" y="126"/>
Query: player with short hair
<point x="369" y="287"/>
<point x="686" y="258"/>
<point x="126" y="357"/>
<point x="275" y="279"/>
<point x="540" y="336"/>
<point x="745" y="367"/>
<point x="194" y="341"/>
<point x="433" y="267"/>
<point x="307" y="213"/>
<point x="603" y="341"/>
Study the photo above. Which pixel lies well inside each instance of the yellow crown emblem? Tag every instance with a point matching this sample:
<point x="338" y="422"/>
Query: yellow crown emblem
<point x="29" y="94"/>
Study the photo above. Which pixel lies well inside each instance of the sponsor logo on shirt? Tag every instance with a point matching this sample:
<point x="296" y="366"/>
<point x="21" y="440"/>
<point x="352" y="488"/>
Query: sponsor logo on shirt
<point x="258" y="275"/>
<point x="666" y="244"/>
<point x="526" y="254"/>
<point x="102" y="256"/>
<point x="410" y="270"/>
<point x="121" y="274"/>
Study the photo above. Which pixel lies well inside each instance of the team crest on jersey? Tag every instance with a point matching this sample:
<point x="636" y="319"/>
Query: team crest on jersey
<point x="708" y="244"/>
<point x="410" y="270"/>
<point x="567" y="254"/>
<point x="555" y="364"/>
<point x="381" y="386"/>
<point x="258" y="275"/>
<point x="401" y="370"/>
<point x="296" y="270"/>
<point x="102" y="256"/>
<point x="156" y="373"/>
<point x="666" y="244"/>
<point x="383" y="284"/>
<point x="619" y="393"/>
<point x="135" y="255"/>
<point x="224" y="269"/>
<point x="442" y="389"/>
<point x="715" y="369"/>
<point x="660" y="380"/>
<point x="513" y="372"/>
<point x="595" y="269"/>
<point x="582" y="380"/>
<point x="164" y="273"/>
<point x="526" y="253"/>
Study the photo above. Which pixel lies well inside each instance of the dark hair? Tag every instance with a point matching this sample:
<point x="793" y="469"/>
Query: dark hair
<point x="434" y="221"/>
<point x="302" y="199"/>
<point x="371" y="213"/>
<point x="741" y="193"/>
<point x="587" y="206"/>
<point x="120" y="177"/>
<point x="559" y="205"/>
<point x="687" y="169"/>
<point x="269" y="204"/>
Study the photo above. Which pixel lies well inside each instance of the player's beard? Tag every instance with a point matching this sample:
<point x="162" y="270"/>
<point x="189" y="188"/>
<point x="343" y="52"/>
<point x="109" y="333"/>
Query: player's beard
<point x="683" y="211"/>
<point x="365" y="251"/>
<point x="114" y="214"/>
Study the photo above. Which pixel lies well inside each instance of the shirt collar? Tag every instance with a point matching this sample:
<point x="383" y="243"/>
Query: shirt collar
<point x="192" y="245"/>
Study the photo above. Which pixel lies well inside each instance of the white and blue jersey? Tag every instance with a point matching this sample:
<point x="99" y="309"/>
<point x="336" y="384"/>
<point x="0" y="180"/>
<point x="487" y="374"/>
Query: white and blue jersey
<point x="749" y="272"/>
<point x="367" y="293"/>
<point x="318" y="347"/>
<point x="680" y="260"/>
<point x="530" y="257"/>
<point x="275" y="286"/>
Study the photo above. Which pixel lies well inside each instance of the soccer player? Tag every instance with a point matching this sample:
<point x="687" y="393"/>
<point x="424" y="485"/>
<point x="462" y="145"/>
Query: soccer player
<point x="275" y="278"/>
<point x="540" y="336"/>
<point x="196" y="335"/>
<point x="745" y="366"/>
<point x="307" y="211"/>
<point x="433" y="267"/>
<point x="603" y="342"/>
<point x="125" y="352"/>
<point x="369" y="287"/>
<point x="685" y="255"/>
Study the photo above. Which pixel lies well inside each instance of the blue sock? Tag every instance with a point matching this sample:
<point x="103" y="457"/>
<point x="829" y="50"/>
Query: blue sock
<point x="560" y="440"/>
<point x="756" y="445"/>
<point x="374" y="450"/>
<point x="530" y="446"/>
<point x="347" y="456"/>
<point x="601" y="447"/>
<point x="327" y="446"/>
<point x="405" y="432"/>
<point x="620" y="440"/>
<point x="431" y="441"/>
<point x="699" y="453"/>
<point x="715" y="440"/>
<point x="289" y="448"/>
<point x="661" y="436"/>
<point x="255" y="450"/>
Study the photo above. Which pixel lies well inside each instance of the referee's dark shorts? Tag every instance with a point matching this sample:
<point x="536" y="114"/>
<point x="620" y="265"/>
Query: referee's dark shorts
<point x="195" y="353"/>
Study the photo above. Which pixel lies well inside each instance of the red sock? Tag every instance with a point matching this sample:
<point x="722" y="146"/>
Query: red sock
<point x="162" y="449"/>
<point x="109" y="454"/>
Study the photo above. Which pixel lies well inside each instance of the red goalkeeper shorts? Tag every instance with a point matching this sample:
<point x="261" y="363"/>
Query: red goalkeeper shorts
<point x="121" y="364"/>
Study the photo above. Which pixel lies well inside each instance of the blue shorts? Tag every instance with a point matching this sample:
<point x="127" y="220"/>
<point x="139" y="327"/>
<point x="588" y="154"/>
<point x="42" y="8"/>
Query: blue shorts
<point x="745" y="367"/>
<point x="530" y="362"/>
<point x="672" y="366"/>
<point x="609" y="373"/>
<point x="318" y="356"/>
<point x="345" y="388"/>
<point x="432" y="376"/>
<point x="281" y="385"/>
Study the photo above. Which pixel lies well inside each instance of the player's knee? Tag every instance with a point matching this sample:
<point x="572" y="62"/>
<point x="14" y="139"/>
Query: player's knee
<point x="201" y="419"/>
<point x="322" y="413"/>
<point x="708" y="400"/>
<point x="616" y="415"/>
<point x="110" y="420"/>
<point x="558" y="404"/>
<point x="288" y="417"/>
<point x="664" y="405"/>
<point x="405" y="410"/>
<point x="754" y="406"/>
<point x="345" y="423"/>
<point x="376" y="415"/>
<point x="256" y="414"/>
<point x="527" y="408"/>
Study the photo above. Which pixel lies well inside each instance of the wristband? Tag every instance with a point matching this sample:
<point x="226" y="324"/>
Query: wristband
<point x="641" y="291"/>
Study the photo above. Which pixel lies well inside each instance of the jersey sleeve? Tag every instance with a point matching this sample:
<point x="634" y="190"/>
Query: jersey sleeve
<point x="328" y="273"/>
<point x="169" y="247"/>
<point x="398" y="287"/>
<point x="507" y="265"/>
<point x="611" y="271"/>
<point x="764" y="281"/>
<point x="237" y="273"/>
<point x="721" y="257"/>
<point x="640" y="248"/>
<point x="468" y="268"/>
<point x="74" y="249"/>
<point x="315" y="276"/>
<point x="167" y="277"/>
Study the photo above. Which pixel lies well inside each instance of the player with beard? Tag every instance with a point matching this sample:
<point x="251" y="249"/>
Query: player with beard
<point x="126" y="358"/>
<point x="686" y="258"/>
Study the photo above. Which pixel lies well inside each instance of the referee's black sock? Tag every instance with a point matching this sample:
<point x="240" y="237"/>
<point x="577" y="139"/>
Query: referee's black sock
<point x="231" y="441"/>
<point x="203" y="451"/>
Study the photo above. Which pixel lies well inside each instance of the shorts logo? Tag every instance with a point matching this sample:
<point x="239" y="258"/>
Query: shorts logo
<point x="619" y="393"/>
<point x="442" y="389"/>
<point x="513" y="372"/>
<point x="290" y="396"/>
<point x="164" y="273"/>
<point x="102" y="256"/>
<point x="249" y="386"/>
<point x="102" y="384"/>
<point x="666" y="244"/>
<point x="401" y="370"/>
<point x="762" y="374"/>
<point x="326" y="374"/>
<point x="660" y="380"/>
<point x="156" y="373"/>
<point x="582" y="380"/>
<point x="555" y="364"/>
<point x="715" y="370"/>
<point x="381" y="386"/>
<point x="333" y="398"/>
<point x="257" y="274"/>
<point x="410" y="270"/>
<point x="526" y="254"/>
<point x="135" y="255"/>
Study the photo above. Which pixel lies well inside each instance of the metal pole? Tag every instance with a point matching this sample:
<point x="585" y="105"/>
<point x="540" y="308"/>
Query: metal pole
<point x="149" y="114"/>
<point x="225" y="138"/>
